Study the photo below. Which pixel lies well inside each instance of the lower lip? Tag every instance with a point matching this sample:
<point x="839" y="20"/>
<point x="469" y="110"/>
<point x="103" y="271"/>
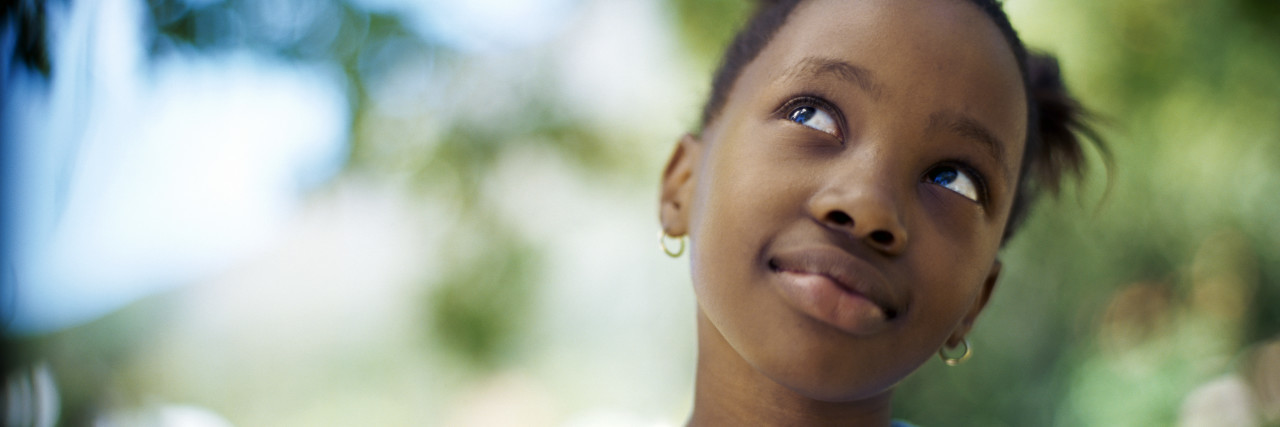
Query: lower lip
<point x="825" y="300"/>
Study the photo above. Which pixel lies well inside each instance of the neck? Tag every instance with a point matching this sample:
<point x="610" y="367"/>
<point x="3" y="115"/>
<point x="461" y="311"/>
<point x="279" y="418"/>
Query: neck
<point x="729" y="391"/>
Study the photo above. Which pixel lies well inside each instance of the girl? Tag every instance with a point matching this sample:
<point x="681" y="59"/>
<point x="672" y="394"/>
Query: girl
<point x="859" y="165"/>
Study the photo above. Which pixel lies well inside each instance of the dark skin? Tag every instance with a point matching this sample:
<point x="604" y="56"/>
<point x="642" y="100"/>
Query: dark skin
<point x="846" y="207"/>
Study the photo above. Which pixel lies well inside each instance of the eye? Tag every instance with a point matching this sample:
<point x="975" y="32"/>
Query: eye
<point x="814" y="117"/>
<point x="957" y="180"/>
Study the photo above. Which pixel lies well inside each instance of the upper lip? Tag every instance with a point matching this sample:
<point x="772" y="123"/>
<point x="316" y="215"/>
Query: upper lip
<point x="849" y="272"/>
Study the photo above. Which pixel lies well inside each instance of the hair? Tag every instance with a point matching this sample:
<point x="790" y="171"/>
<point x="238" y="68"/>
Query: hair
<point x="1056" y="122"/>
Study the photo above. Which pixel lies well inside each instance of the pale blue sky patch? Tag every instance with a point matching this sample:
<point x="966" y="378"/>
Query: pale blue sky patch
<point x="481" y="25"/>
<point x="133" y="178"/>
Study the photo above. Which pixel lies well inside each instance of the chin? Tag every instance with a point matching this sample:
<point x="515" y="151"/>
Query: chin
<point x="827" y="388"/>
<point x="834" y="379"/>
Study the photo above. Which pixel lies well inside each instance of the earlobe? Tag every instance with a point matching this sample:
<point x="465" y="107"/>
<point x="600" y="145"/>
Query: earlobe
<point x="979" y="304"/>
<point x="677" y="186"/>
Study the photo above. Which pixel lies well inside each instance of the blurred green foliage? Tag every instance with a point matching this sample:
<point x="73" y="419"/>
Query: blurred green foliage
<point x="477" y="309"/>
<point x="707" y="26"/>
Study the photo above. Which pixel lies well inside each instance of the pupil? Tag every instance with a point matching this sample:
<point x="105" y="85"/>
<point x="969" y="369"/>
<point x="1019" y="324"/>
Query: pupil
<point x="802" y="114"/>
<point x="945" y="177"/>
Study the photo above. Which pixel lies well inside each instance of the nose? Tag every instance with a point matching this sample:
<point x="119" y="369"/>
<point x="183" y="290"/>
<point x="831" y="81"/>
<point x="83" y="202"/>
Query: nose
<point x="866" y="209"/>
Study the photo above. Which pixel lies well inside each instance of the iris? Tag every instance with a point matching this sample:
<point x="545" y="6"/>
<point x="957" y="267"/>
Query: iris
<point x="802" y="114"/>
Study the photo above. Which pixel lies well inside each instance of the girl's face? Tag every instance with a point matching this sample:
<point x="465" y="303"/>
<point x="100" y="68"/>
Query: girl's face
<point x="846" y="206"/>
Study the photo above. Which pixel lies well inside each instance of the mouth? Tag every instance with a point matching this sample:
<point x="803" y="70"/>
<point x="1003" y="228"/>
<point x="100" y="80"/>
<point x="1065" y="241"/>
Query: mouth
<point x="836" y="288"/>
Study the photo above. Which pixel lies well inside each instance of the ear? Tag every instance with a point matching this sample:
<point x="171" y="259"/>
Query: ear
<point x="966" y="324"/>
<point x="677" y="186"/>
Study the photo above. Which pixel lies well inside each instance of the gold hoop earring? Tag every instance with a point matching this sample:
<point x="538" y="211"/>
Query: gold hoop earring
<point x="662" y="243"/>
<point x="953" y="361"/>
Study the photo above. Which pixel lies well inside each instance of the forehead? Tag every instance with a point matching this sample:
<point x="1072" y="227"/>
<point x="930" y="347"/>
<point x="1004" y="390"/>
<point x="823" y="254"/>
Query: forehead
<point x="924" y="56"/>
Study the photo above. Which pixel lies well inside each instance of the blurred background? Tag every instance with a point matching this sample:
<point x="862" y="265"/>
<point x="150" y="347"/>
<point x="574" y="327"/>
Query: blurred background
<point x="399" y="212"/>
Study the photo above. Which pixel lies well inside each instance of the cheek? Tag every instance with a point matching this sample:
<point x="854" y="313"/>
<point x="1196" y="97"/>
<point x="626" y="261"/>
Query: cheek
<point x="723" y="209"/>
<point x="955" y="255"/>
<point x="743" y="192"/>
<point x="956" y="227"/>
<point x="743" y="197"/>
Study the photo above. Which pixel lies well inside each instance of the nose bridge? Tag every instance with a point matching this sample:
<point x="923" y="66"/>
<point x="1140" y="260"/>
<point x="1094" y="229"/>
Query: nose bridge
<point x="863" y="196"/>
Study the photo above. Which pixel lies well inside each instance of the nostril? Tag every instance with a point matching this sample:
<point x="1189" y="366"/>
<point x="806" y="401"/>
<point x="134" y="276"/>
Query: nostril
<point x="839" y="218"/>
<point x="882" y="237"/>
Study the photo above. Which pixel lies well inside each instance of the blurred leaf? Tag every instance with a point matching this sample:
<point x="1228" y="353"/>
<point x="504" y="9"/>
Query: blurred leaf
<point x="480" y="308"/>
<point x="707" y="26"/>
<point x="28" y="19"/>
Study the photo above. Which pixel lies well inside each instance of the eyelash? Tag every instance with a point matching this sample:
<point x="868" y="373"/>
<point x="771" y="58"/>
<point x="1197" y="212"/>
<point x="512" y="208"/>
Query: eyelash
<point x="784" y="111"/>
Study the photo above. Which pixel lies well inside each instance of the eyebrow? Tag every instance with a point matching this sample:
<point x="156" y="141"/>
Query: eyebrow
<point x="814" y="66"/>
<point x="973" y="130"/>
